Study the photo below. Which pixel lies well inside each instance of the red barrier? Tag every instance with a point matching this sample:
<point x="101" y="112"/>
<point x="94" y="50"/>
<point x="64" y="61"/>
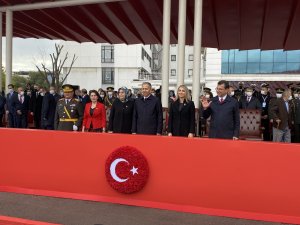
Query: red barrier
<point x="4" y="220"/>
<point x="251" y="180"/>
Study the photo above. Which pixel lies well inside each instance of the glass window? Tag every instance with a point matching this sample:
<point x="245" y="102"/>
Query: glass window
<point x="253" y="67"/>
<point x="240" y="68"/>
<point x="254" y="56"/>
<point x="279" y="56"/>
<point x="107" y="54"/>
<point x="279" y="67"/>
<point x="108" y="75"/>
<point x="266" y="56"/>
<point x="173" y="72"/>
<point x="240" y="56"/>
<point x="190" y="72"/>
<point x="191" y="57"/>
<point x="293" y="56"/>
<point x="225" y="68"/>
<point x="225" y="55"/>
<point x="266" y="67"/>
<point x="293" y="67"/>
<point x="173" y="57"/>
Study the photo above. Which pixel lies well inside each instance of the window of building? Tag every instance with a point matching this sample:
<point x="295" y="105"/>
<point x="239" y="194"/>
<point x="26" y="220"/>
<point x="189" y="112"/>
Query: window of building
<point x="173" y="72"/>
<point x="173" y="45"/>
<point x="257" y="61"/>
<point x="108" y="75"/>
<point x="173" y="57"/>
<point x="190" y="72"/>
<point x="191" y="57"/>
<point x="107" y="54"/>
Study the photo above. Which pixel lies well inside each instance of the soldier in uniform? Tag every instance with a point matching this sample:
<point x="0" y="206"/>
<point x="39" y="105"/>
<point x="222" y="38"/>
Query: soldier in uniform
<point x="69" y="111"/>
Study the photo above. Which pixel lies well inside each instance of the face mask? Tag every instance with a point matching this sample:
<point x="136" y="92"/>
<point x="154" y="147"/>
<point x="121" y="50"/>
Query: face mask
<point x="249" y="94"/>
<point x="296" y="95"/>
<point x="153" y="94"/>
<point x="231" y="94"/>
<point x="240" y="87"/>
<point x="11" y="90"/>
<point x="29" y="93"/>
<point x="102" y="96"/>
<point x="22" y="93"/>
<point x="207" y="96"/>
<point x="42" y="93"/>
<point x="290" y="98"/>
<point x="278" y="95"/>
<point x="61" y="93"/>
<point x="51" y="92"/>
<point x="263" y="92"/>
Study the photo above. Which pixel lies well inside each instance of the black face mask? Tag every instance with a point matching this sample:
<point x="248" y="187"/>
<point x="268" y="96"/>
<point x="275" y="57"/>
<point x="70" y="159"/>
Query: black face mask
<point x="240" y="87"/>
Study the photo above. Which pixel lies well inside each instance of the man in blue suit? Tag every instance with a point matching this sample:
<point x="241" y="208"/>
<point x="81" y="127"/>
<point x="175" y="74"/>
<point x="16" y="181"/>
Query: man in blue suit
<point x="9" y="108"/>
<point x="224" y="113"/>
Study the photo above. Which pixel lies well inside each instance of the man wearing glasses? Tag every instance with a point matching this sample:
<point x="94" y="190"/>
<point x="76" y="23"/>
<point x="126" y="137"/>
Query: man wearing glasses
<point x="224" y="113"/>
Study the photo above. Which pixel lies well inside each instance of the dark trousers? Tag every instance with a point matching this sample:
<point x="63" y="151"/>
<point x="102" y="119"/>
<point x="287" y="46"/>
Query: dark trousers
<point x="22" y="120"/>
<point x="265" y="123"/>
<point x="1" y="119"/>
<point x="297" y="133"/>
<point x="37" y="122"/>
<point x="11" y="120"/>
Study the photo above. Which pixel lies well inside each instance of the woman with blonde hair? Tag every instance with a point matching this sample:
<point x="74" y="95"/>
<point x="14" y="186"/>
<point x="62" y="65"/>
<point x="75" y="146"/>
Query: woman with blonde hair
<point x="182" y="114"/>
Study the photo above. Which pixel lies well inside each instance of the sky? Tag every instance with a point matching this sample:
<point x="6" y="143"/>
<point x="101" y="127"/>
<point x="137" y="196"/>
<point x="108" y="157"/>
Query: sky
<point x="29" y="52"/>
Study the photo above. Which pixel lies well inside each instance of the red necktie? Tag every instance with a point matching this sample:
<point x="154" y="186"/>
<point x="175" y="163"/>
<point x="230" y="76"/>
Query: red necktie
<point x="221" y="100"/>
<point x="21" y="99"/>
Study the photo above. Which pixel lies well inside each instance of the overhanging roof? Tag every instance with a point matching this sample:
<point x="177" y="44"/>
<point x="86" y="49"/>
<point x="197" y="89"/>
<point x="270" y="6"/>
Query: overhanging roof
<point x="227" y="24"/>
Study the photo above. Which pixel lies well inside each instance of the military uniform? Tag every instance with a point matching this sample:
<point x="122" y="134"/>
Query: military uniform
<point x="108" y="102"/>
<point x="69" y="112"/>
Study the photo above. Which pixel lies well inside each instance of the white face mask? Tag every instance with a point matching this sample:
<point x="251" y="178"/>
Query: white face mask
<point x="61" y="93"/>
<point x="249" y="93"/>
<point x="22" y="93"/>
<point x="207" y="96"/>
<point x="290" y="98"/>
<point x="231" y="93"/>
<point x="29" y="93"/>
<point x="153" y="94"/>
<point x="263" y="92"/>
<point x="278" y="95"/>
<point x="51" y="92"/>
<point x="102" y="96"/>
<point x="296" y="95"/>
<point x="42" y="93"/>
<point x="11" y="90"/>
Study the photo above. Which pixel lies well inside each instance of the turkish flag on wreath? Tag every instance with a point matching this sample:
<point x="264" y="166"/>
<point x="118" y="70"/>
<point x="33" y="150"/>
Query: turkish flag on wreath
<point x="127" y="170"/>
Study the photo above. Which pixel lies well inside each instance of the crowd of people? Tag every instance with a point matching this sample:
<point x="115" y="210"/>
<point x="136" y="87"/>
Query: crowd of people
<point x="122" y="111"/>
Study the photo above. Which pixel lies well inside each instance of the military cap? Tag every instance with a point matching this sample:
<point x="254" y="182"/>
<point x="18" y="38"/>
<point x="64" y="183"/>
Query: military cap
<point x="206" y="89"/>
<point x="279" y="90"/>
<point x="67" y="88"/>
<point x="264" y="85"/>
<point x="248" y="89"/>
<point x="109" y="89"/>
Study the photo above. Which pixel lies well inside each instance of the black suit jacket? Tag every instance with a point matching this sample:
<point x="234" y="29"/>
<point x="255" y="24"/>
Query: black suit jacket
<point x="48" y="109"/>
<point x="2" y="104"/>
<point x="181" y="123"/>
<point x="253" y="104"/>
<point x="147" y="116"/>
<point x="225" y="118"/>
<point x="17" y="105"/>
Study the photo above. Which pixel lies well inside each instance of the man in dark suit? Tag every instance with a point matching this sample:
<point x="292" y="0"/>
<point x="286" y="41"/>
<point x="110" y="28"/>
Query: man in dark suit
<point x="224" y="113"/>
<point x="147" y="114"/>
<point x="20" y="104"/>
<point x="249" y="101"/>
<point x="296" y="114"/>
<point x="85" y="97"/>
<point x="48" y="109"/>
<point x="9" y="109"/>
<point x="2" y="108"/>
<point x="264" y="99"/>
<point x="281" y="113"/>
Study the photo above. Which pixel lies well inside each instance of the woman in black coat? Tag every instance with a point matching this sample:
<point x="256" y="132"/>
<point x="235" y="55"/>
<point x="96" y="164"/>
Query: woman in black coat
<point x="120" y="119"/>
<point x="182" y="115"/>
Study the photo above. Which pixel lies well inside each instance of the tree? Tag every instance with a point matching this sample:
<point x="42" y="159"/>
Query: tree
<point x="37" y="78"/>
<point x="53" y="76"/>
<point x="19" y="81"/>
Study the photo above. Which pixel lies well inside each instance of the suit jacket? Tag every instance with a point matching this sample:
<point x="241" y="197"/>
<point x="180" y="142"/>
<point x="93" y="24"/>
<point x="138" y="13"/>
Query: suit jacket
<point x="147" y="116"/>
<point x="48" y="109"/>
<point x="266" y="99"/>
<point x="296" y="110"/>
<point x="2" y="104"/>
<point x="98" y="119"/>
<point x="278" y="110"/>
<point x="253" y="104"/>
<point x="181" y="122"/>
<point x="120" y="118"/>
<point x="17" y="105"/>
<point x="225" y="118"/>
<point x="9" y="98"/>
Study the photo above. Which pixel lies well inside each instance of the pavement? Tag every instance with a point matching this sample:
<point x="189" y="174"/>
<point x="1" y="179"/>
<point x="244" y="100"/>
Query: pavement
<point x="77" y="212"/>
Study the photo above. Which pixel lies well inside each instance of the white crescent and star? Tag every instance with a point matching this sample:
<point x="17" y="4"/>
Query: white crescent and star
<point x="113" y="166"/>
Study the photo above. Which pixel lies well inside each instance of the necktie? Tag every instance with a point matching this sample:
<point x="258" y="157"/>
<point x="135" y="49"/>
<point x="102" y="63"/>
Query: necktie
<point x="21" y="99"/>
<point x="248" y="99"/>
<point x="221" y="100"/>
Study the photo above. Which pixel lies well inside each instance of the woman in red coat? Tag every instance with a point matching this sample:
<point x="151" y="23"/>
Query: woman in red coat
<point x="94" y="119"/>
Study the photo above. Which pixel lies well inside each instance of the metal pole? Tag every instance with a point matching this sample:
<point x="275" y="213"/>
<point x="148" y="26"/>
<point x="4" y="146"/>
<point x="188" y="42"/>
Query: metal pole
<point x="166" y="53"/>
<point x="9" y="40"/>
<point x="52" y="4"/>
<point x="181" y="42"/>
<point x="197" y="52"/>
<point x="1" y="52"/>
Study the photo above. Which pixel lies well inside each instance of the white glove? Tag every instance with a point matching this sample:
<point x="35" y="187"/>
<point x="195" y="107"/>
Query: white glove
<point x="75" y="128"/>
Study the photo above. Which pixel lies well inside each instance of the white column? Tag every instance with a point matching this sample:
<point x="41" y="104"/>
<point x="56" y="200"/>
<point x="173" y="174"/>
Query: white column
<point x="166" y="53"/>
<point x="181" y="42"/>
<point x="1" y="52"/>
<point x="9" y="40"/>
<point x="197" y="52"/>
